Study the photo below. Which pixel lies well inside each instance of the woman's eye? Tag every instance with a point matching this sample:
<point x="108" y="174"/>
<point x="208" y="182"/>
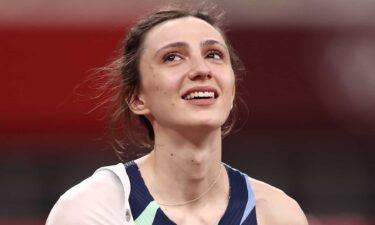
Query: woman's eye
<point x="171" y="57"/>
<point x="214" y="55"/>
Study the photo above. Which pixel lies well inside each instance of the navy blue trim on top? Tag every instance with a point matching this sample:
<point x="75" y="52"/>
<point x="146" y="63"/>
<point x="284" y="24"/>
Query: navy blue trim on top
<point x="140" y="197"/>
<point x="237" y="200"/>
<point x="251" y="219"/>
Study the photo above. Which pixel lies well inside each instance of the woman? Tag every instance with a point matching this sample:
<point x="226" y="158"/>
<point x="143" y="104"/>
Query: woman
<point x="178" y="75"/>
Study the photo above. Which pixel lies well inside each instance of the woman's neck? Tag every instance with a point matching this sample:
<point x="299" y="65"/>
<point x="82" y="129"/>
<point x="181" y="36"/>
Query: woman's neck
<point x="179" y="168"/>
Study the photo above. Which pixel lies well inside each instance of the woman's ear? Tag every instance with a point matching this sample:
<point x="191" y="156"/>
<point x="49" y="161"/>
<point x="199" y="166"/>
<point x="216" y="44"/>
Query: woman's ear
<point x="137" y="105"/>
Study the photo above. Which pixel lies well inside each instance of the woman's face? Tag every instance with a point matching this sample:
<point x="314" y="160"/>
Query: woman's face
<point x="186" y="76"/>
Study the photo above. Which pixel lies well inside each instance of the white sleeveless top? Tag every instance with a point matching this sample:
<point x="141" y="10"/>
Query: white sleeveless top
<point x="106" y="191"/>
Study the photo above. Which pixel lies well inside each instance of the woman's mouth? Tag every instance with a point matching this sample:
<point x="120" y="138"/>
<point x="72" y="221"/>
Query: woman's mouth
<point x="199" y="95"/>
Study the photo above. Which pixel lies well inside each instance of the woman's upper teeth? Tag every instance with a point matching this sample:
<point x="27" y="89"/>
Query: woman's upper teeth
<point x="200" y="94"/>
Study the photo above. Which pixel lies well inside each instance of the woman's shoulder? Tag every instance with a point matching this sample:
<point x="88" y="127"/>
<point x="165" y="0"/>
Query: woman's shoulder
<point x="100" y="197"/>
<point x="275" y="207"/>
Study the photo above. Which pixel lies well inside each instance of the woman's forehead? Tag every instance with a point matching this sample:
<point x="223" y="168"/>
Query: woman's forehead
<point x="186" y="29"/>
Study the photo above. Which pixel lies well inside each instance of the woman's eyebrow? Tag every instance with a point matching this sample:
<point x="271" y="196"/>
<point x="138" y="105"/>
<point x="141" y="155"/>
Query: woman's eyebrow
<point x="178" y="44"/>
<point x="181" y="44"/>
<point x="212" y="42"/>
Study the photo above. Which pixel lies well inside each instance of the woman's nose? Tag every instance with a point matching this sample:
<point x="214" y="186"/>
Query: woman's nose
<point x="199" y="70"/>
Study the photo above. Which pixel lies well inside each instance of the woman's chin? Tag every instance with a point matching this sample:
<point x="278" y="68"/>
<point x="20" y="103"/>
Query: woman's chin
<point x="204" y="125"/>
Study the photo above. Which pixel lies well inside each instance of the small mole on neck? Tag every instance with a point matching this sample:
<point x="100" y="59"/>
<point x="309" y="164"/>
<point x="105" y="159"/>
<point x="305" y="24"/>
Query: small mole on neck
<point x="172" y="155"/>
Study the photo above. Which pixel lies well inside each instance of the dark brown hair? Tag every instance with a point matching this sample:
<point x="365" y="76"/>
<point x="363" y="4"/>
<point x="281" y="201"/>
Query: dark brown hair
<point x="122" y="78"/>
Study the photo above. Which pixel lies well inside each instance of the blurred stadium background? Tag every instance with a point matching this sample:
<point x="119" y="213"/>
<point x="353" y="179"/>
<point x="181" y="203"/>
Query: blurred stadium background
<point x="310" y="91"/>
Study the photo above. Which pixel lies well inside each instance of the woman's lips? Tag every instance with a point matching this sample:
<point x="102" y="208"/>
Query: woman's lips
<point x="202" y="101"/>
